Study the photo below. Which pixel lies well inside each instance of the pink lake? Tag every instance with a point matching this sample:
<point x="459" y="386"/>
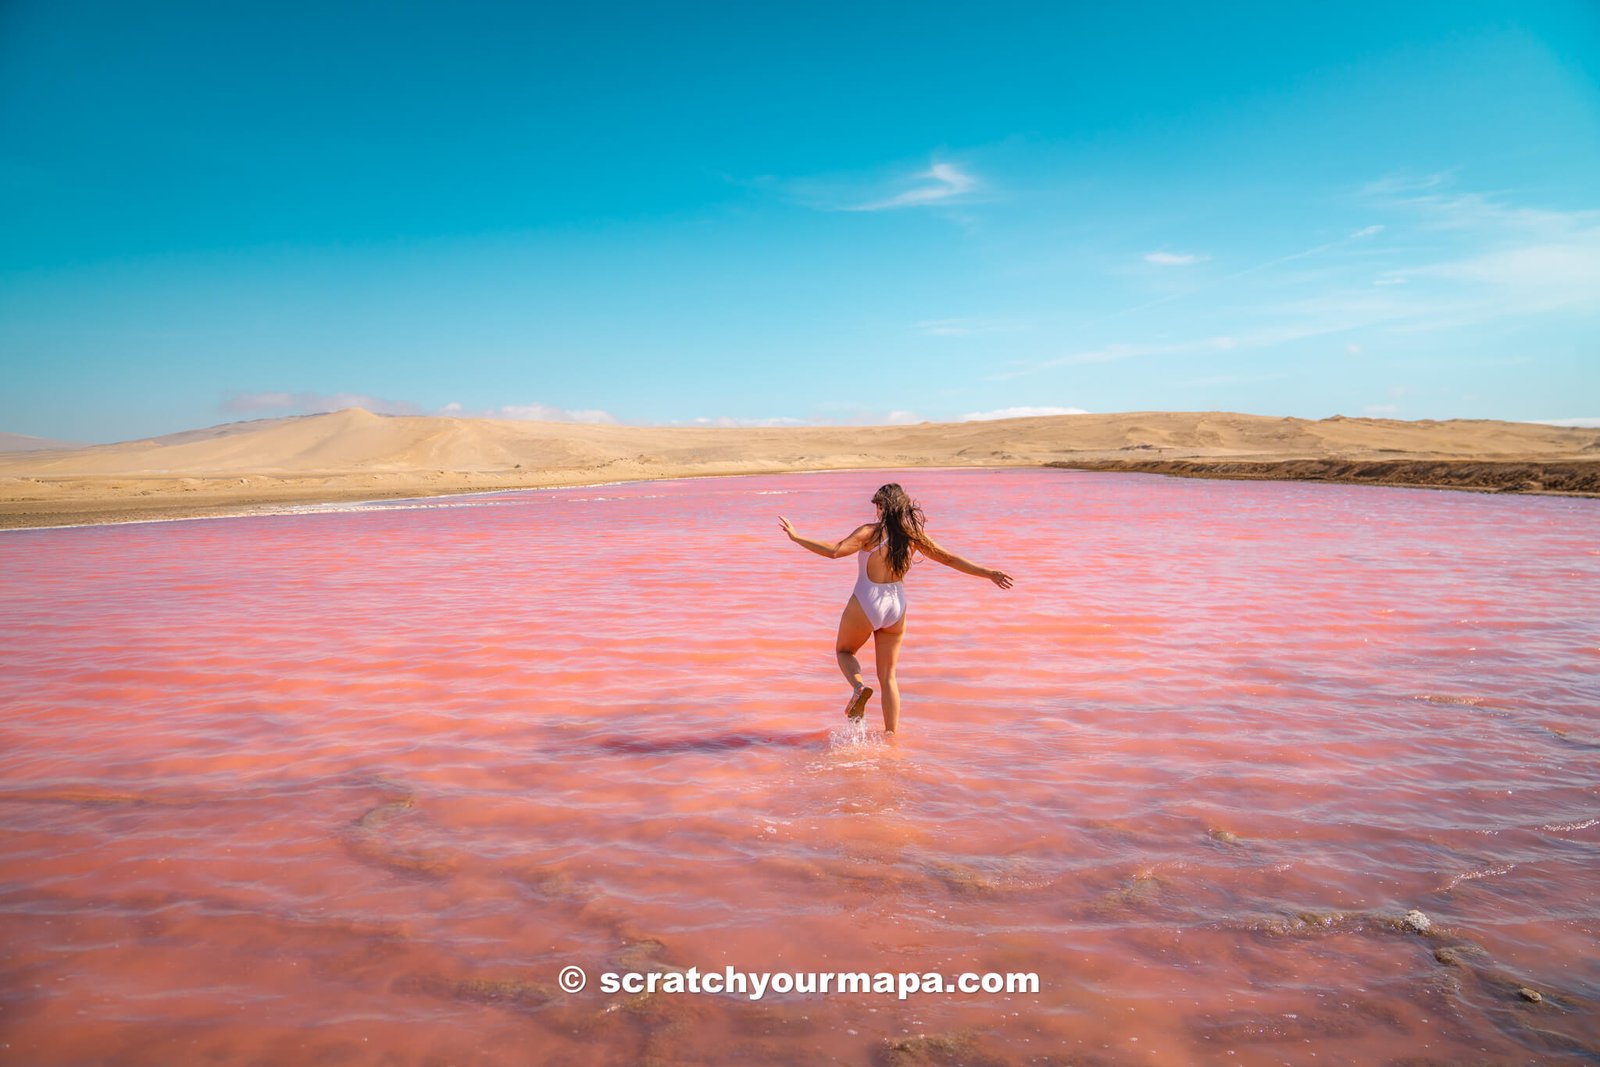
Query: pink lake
<point x="352" y="786"/>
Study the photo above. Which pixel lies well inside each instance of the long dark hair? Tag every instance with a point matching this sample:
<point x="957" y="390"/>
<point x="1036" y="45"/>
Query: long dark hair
<point x="901" y="526"/>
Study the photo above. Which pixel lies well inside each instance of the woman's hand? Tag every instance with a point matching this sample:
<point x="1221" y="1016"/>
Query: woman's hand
<point x="1000" y="578"/>
<point x="788" y="529"/>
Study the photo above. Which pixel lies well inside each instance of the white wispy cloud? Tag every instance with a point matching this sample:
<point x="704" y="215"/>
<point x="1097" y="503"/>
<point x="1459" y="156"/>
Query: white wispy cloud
<point x="842" y="415"/>
<point x="1174" y="259"/>
<point x="1531" y="278"/>
<point x="940" y="183"/>
<point x="1398" y="184"/>
<point x="531" y="413"/>
<point x="1331" y="321"/>
<point x="313" y="403"/>
<point x="1485" y="260"/>
<point x="1255" y="268"/>
<point x="730" y="421"/>
<point x="1019" y="413"/>
<point x="1317" y="250"/>
<point x="963" y="327"/>
<point x="1448" y="209"/>
<point x="1113" y="353"/>
<point x="1520" y="259"/>
<point x="1507" y="261"/>
<point x="1233" y="379"/>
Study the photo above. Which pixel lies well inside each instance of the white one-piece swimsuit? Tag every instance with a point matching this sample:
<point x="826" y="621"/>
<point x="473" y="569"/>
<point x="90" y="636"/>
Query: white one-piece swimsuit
<point x="884" y="602"/>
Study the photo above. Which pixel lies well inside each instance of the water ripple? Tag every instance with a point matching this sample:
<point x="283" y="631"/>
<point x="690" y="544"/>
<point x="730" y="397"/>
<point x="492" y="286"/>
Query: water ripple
<point x="355" y="783"/>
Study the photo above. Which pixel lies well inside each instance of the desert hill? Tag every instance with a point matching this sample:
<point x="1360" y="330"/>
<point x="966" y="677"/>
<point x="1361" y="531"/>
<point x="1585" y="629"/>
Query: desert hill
<point x="21" y="442"/>
<point x="353" y="454"/>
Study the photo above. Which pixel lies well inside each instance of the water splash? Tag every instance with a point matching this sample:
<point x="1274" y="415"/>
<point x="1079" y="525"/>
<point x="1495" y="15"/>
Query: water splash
<point x="854" y="734"/>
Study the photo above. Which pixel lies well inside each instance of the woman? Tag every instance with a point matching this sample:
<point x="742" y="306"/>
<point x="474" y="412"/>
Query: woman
<point x="877" y="606"/>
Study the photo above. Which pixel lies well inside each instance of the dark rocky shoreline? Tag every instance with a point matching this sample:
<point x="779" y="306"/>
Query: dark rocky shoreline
<point x="1574" y="478"/>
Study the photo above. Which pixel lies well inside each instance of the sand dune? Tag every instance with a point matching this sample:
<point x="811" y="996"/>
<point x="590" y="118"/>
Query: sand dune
<point x="354" y="454"/>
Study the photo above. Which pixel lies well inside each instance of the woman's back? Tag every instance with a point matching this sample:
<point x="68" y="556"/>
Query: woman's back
<point x="875" y="566"/>
<point x="879" y="569"/>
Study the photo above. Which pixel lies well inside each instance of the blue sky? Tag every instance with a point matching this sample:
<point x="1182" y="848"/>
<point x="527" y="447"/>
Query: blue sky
<point x="821" y="213"/>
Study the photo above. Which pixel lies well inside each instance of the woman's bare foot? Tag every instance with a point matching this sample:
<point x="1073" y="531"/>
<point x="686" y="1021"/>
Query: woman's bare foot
<point x="858" y="703"/>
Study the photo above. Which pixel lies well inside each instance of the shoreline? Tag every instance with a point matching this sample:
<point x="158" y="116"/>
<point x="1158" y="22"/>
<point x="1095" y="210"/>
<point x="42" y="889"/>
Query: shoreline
<point x="138" y="510"/>
<point x="1579" y="478"/>
<point x="267" y="466"/>
<point x="1571" y="478"/>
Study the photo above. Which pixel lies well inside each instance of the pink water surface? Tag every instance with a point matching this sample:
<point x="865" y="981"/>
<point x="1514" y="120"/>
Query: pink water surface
<point x="353" y="786"/>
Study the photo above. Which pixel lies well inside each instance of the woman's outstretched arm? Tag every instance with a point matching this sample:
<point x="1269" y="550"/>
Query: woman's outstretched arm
<point x="852" y="542"/>
<point x="931" y="549"/>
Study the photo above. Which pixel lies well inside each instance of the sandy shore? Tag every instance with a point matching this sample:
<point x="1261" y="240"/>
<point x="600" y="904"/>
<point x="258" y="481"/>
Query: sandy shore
<point x="267" y="465"/>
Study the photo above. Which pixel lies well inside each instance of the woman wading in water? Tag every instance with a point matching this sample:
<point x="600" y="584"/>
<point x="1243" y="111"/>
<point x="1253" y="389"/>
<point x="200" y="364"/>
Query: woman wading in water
<point x="877" y="605"/>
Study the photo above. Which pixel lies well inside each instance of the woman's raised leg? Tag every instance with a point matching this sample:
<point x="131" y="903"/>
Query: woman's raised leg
<point x="854" y="629"/>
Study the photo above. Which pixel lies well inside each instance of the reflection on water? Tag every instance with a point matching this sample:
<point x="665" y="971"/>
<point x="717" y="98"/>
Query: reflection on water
<point x="354" y="786"/>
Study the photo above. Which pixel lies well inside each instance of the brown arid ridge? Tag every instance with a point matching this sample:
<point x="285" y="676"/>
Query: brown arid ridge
<point x="352" y="455"/>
